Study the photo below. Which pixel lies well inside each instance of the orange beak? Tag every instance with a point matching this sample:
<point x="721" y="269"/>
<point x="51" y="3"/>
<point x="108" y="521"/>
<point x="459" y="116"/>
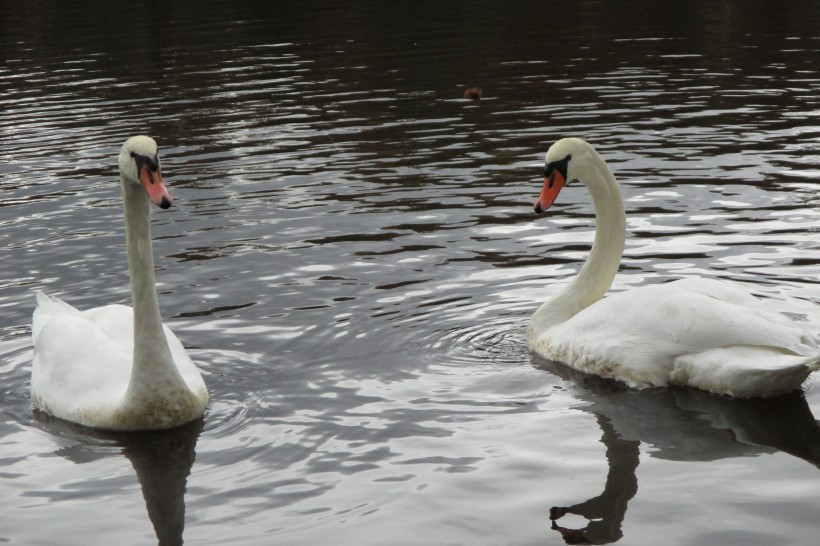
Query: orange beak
<point x="152" y="181"/>
<point x="552" y="187"/>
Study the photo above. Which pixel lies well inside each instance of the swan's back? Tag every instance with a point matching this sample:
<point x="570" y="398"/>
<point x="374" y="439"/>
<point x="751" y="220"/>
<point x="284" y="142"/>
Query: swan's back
<point x="698" y="332"/>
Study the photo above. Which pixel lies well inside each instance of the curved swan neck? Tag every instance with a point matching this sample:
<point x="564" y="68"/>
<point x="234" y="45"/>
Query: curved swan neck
<point x="153" y="363"/>
<point x="604" y="259"/>
<point x="601" y="266"/>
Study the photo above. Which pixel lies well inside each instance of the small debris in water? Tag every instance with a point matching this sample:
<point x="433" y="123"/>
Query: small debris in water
<point x="472" y="93"/>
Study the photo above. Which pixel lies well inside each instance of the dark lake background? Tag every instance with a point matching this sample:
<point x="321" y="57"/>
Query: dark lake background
<point x="352" y="259"/>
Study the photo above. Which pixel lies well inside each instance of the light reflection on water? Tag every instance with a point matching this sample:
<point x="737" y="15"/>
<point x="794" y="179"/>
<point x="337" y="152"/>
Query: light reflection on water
<point x="351" y="260"/>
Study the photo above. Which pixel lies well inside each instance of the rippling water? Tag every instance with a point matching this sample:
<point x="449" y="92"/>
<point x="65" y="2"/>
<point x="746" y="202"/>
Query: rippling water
<point x="352" y="259"/>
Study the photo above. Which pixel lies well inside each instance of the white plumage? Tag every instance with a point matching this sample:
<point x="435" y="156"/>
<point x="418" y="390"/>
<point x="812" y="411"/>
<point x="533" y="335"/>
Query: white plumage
<point x="697" y="332"/>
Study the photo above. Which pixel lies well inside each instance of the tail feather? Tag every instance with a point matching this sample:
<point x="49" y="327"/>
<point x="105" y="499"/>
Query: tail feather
<point x="746" y="371"/>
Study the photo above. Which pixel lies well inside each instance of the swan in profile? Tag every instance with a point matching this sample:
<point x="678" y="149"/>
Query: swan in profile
<point x="113" y="367"/>
<point x="696" y="332"/>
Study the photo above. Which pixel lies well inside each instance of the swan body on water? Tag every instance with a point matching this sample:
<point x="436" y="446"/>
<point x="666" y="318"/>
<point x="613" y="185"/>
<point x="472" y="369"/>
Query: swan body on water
<point x="115" y="367"/>
<point x="696" y="332"/>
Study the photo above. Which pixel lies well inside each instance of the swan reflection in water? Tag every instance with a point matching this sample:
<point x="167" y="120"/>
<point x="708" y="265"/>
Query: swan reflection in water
<point x="162" y="460"/>
<point x="681" y="424"/>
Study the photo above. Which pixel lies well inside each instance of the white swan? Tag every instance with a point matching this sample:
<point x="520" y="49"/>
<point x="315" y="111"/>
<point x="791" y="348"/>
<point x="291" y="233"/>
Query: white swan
<point x="111" y="367"/>
<point x="703" y="333"/>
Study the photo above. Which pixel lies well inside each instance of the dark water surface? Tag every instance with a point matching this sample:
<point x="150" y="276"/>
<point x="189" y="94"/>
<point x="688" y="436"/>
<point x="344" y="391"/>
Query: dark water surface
<point x="352" y="258"/>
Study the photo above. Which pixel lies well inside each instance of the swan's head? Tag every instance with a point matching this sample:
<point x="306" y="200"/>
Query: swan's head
<point x="139" y="164"/>
<point x="567" y="161"/>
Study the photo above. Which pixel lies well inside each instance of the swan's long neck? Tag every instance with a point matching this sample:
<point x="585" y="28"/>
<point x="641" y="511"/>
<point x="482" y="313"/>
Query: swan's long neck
<point x="153" y="370"/>
<point x="601" y="266"/>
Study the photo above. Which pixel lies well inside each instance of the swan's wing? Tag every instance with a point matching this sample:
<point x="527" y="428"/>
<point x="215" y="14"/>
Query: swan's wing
<point x="693" y="315"/>
<point x="713" y="314"/>
<point x="83" y="359"/>
<point x="47" y="307"/>
<point x="77" y="367"/>
<point x="187" y="369"/>
<point x="637" y="335"/>
<point x="117" y="322"/>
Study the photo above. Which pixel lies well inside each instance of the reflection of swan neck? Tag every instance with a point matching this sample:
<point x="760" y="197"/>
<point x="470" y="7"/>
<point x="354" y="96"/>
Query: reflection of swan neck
<point x="598" y="272"/>
<point x="163" y="461"/>
<point x="152" y="357"/>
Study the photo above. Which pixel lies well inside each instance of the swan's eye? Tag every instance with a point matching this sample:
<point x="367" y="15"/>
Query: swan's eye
<point x="133" y="154"/>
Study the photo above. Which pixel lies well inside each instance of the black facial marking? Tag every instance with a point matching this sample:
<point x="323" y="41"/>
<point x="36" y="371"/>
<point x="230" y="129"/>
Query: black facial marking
<point x="560" y="166"/>
<point x="151" y="162"/>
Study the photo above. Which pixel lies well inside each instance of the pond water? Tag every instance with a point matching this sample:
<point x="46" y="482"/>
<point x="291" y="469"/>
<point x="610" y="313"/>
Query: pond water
<point x="352" y="258"/>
